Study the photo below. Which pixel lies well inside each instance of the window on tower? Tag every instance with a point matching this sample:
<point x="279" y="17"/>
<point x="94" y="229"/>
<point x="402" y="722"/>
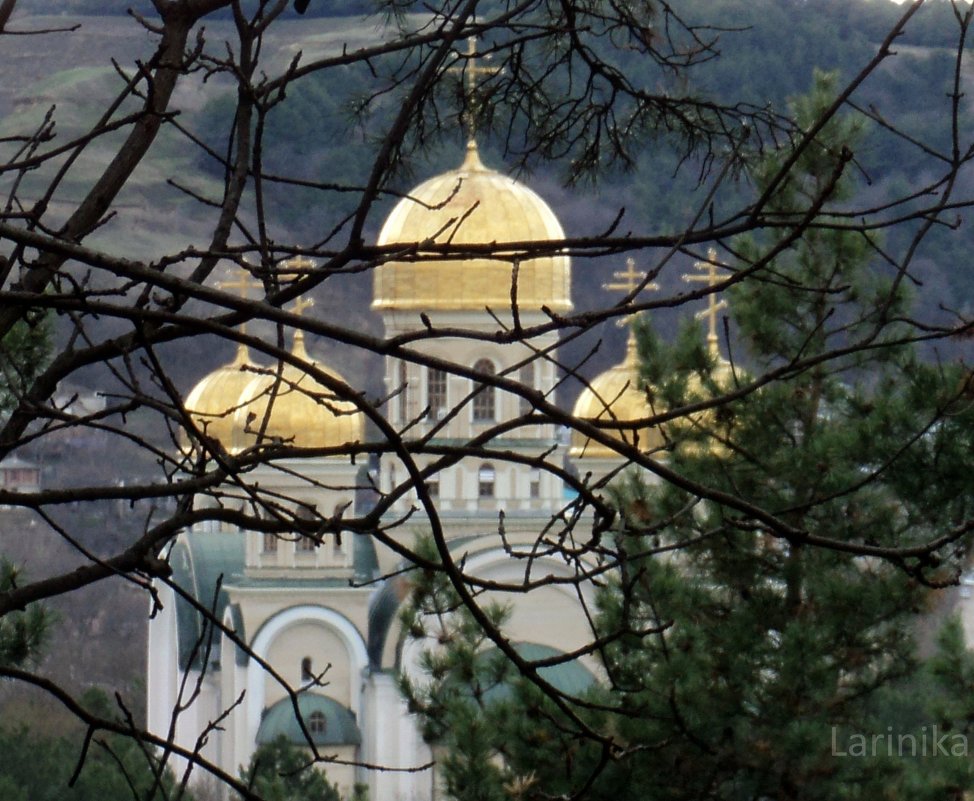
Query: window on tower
<point x="317" y="722"/>
<point x="404" y="399"/>
<point x="483" y="401"/>
<point x="307" y="673"/>
<point x="485" y="481"/>
<point x="436" y="393"/>
<point x="527" y="378"/>
<point x="534" y="483"/>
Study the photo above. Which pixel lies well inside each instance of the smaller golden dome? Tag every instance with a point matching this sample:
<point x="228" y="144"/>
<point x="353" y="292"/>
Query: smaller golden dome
<point x="216" y="397"/>
<point x="686" y="432"/>
<point x="295" y="409"/>
<point x="615" y="395"/>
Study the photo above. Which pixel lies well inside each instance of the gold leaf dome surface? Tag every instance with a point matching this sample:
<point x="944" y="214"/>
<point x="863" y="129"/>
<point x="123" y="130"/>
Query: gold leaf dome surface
<point x="298" y="410"/>
<point x="701" y="433"/>
<point x="216" y="397"/>
<point x="472" y="205"/>
<point x="615" y="396"/>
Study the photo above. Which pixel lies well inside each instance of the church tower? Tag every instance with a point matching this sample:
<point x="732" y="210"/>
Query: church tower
<point x="466" y="304"/>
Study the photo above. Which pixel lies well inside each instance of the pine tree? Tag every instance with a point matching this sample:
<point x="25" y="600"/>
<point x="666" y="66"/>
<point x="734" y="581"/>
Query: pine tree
<point x="280" y="771"/>
<point x="776" y="651"/>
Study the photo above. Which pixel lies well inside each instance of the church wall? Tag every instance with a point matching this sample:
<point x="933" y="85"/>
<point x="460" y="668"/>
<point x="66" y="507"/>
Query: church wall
<point x="283" y="642"/>
<point x="259" y="604"/>
<point x="162" y="665"/>
<point x="328" y="655"/>
<point x="393" y="739"/>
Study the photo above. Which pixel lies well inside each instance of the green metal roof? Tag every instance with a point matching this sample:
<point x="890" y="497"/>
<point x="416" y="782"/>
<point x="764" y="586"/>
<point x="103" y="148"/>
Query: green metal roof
<point x="383" y="612"/>
<point x="571" y="678"/>
<point x="198" y="561"/>
<point x="327" y="721"/>
<point x="364" y="559"/>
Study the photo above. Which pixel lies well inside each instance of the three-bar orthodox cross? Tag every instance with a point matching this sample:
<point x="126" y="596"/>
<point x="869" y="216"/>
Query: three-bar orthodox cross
<point x="244" y="282"/>
<point x="631" y="281"/>
<point x="711" y="278"/>
<point x="296" y="266"/>
<point x="471" y="72"/>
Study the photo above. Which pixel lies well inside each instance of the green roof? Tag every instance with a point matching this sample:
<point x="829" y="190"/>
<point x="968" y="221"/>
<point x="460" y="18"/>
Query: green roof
<point x="364" y="559"/>
<point x="327" y="721"/>
<point x="383" y="615"/>
<point x="198" y="561"/>
<point x="571" y="678"/>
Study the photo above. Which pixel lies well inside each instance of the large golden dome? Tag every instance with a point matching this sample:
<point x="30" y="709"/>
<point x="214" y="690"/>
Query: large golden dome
<point x="302" y="412"/>
<point x="471" y="205"/>
<point x="214" y="400"/>
<point x="615" y="396"/>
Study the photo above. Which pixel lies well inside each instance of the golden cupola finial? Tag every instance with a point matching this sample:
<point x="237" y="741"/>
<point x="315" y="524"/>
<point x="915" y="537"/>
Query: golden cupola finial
<point x="617" y="395"/>
<point x="711" y="278"/>
<point x="471" y="71"/>
<point x="243" y="283"/>
<point x="632" y="282"/>
<point x="686" y="432"/>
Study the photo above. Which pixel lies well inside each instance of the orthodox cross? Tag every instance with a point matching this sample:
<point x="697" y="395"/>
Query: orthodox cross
<point x="711" y="278"/>
<point x="300" y="304"/>
<point x="244" y="283"/>
<point x="470" y="73"/>
<point x="297" y="265"/>
<point x="631" y="281"/>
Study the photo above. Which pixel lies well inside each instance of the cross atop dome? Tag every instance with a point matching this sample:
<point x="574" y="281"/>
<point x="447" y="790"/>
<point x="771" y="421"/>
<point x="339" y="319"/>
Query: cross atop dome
<point x="301" y="303"/>
<point x="711" y="278"/>
<point x="244" y="283"/>
<point x="632" y="282"/>
<point x="297" y="266"/>
<point x="471" y="72"/>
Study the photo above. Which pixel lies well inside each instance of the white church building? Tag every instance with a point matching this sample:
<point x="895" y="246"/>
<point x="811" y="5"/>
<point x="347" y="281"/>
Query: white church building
<point x="323" y="619"/>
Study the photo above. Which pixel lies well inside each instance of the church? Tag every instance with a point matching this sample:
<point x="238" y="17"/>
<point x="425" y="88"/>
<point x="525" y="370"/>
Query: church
<point x="321" y="620"/>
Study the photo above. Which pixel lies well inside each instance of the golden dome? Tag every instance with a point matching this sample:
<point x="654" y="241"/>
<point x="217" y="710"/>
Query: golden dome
<point x="472" y="205"/>
<point x="214" y="400"/>
<point x="686" y="432"/>
<point x="303" y="412"/>
<point x="615" y="395"/>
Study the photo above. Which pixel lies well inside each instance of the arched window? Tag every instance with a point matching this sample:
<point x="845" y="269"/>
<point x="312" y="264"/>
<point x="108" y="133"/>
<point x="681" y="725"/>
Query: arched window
<point x="436" y="399"/>
<point x="485" y="481"/>
<point x="317" y="722"/>
<point x="534" y="483"/>
<point x="307" y="674"/>
<point x="404" y="399"/>
<point x="483" y="401"/>
<point x="527" y="377"/>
